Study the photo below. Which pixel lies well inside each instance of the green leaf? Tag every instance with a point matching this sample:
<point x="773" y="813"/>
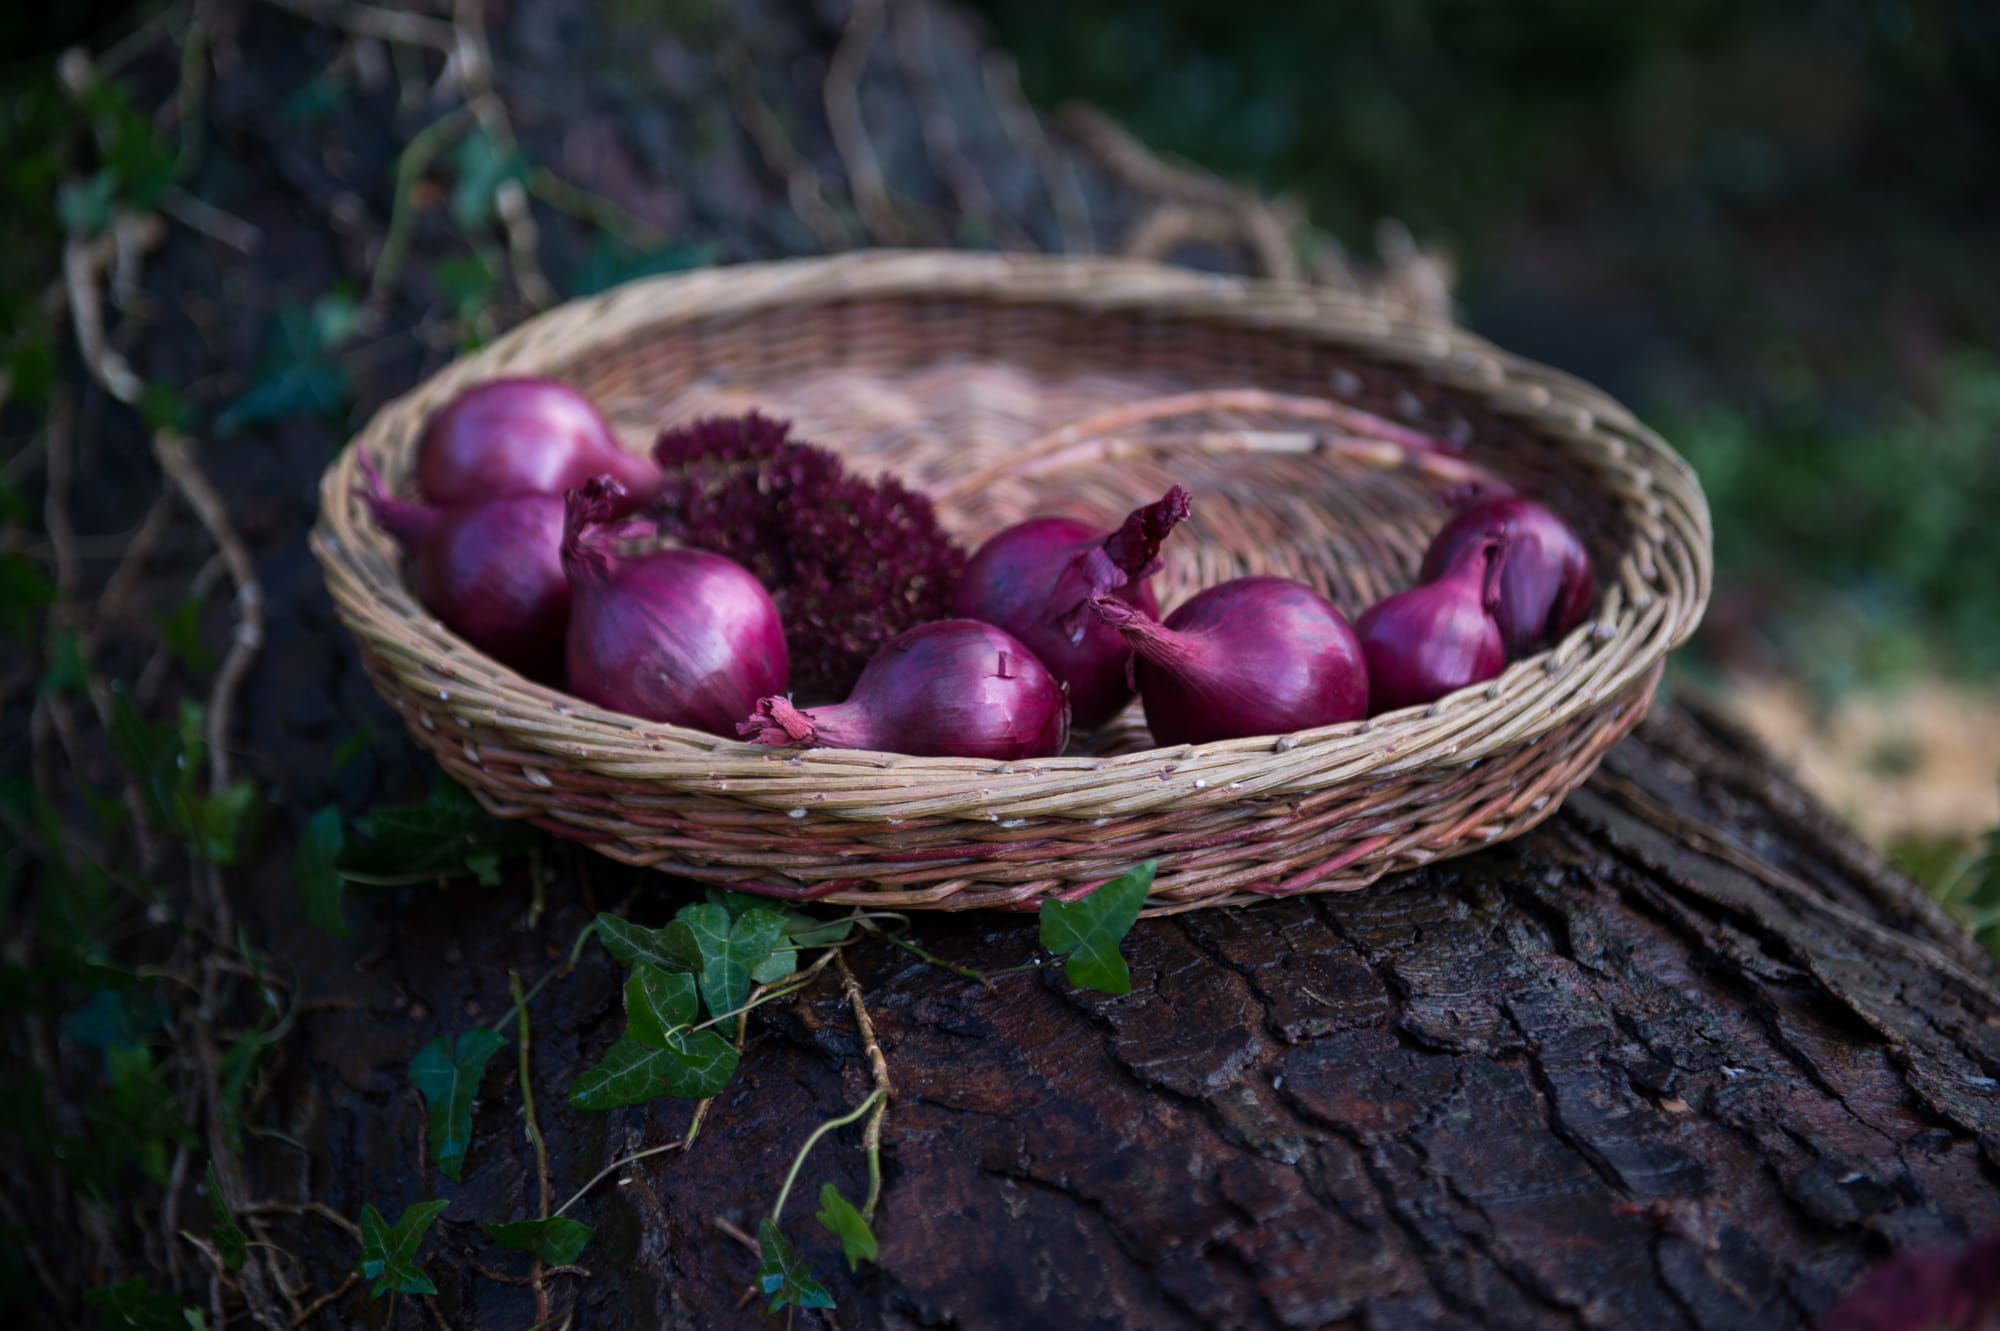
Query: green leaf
<point x="803" y="929"/>
<point x="446" y="1074"/>
<point x="136" y="1306"/>
<point x="164" y="407"/>
<point x="556" y="1240"/>
<point x="688" y="1067"/>
<point x="136" y="1118"/>
<point x="24" y="592"/>
<point x="481" y="167"/>
<point x="389" y="1252"/>
<point x="227" y="822"/>
<point x="444" y="834"/>
<point x="85" y="208"/>
<point x="180" y="634"/>
<point x="1086" y="933"/>
<point x="239" y="1067"/>
<point x="114" y="1017"/>
<point x="66" y="671"/>
<point x="783" y="1274"/>
<point x="658" y="1004"/>
<point x="316" y="870"/>
<point x="609" y="262"/>
<point x="229" y="1239"/>
<point x="299" y="377"/>
<point x="636" y="945"/>
<point x="776" y="966"/>
<point x="837" y="1214"/>
<point x="728" y="949"/>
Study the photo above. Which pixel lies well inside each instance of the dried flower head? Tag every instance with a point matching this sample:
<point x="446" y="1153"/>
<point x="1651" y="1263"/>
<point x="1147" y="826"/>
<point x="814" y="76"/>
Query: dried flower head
<point x="850" y="562"/>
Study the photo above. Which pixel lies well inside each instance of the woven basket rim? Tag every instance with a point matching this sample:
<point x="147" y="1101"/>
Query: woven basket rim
<point x="1639" y="618"/>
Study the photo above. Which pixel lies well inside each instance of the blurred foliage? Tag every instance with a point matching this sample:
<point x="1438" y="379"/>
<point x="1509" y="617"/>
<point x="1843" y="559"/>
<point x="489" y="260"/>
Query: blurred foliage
<point x="1716" y="208"/>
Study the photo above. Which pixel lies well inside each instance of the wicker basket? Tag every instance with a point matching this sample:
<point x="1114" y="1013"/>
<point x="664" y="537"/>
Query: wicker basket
<point x="960" y="372"/>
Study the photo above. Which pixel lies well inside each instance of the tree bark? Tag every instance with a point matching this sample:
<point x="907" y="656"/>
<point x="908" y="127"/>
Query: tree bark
<point x="1687" y="1056"/>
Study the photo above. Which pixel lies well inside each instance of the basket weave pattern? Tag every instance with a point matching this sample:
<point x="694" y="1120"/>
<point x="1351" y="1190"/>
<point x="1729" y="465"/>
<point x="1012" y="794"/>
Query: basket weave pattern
<point x="1008" y="386"/>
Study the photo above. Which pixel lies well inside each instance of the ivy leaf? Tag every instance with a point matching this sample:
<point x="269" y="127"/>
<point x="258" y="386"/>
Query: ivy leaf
<point x="445" y="833"/>
<point x="389" y="1252"/>
<point x="728" y="949"/>
<point x="137" y="1117"/>
<point x="609" y="262"/>
<point x="239" y="1067"/>
<point x="837" y="1214"/>
<point x="803" y="929"/>
<point x="481" y="167"/>
<point x="227" y="822"/>
<point x="136" y="1306"/>
<point x="24" y="591"/>
<point x="316" y="871"/>
<point x="114" y="1017"/>
<point x="446" y="1073"/>
<point x="636" y="945"/>
<point x="229" y="1238"/>
<point x="66" y="671"/>
<point x="180" y="634"/>
<point x="300" y="377"/>
<point x="783" y="1274"/>
<point x="85" y="208"/>
<point x="658" y="1005"/>
<point x="688" y="1067"/>
<point x="556" y="1240"/>
<point x="1086" y="933"/>
<point x="776" y="966"/>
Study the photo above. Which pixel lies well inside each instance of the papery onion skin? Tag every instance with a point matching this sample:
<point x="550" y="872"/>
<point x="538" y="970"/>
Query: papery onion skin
<point x="524" y="436"/>
<point x="491" y="572"/>
<point x="681" y="636"/>
<point x="1253" y="656"/>
<point x="1435" y="638"/>
<point x="1545" y="584"/>
<point x="952" y="688"/>
<point x="1037" y="578"/>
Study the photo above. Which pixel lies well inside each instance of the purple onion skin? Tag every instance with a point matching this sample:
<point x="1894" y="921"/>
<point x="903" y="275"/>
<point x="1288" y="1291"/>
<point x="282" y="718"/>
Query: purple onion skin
<point x="1014" y="580"/>
<point x="524" y="436"/>
<point x="1435" y="638"/>
<point x="1037" y="578"/>
<point x="491" y="572"/>
<point x="1254" y="656"/>
<point x="1545" y="583"/>
<point x="681" y="636"/>
<point x="952" y="688"/>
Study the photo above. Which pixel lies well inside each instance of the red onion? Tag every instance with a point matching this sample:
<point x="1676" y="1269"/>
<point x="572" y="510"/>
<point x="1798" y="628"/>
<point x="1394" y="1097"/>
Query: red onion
<point x="491" y="572"/>
<point x="1037" y="578"/>
<point x="1545" y="586"/>
<point x="1437" y="637"/>
<point x="952" y="688"/>
<point x="681" y="636"/>
<point x="519" y="436"/>
<point x="1256" y="656"/>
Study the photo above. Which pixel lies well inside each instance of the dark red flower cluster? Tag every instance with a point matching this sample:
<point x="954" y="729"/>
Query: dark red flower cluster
<point x="850" y="562"/>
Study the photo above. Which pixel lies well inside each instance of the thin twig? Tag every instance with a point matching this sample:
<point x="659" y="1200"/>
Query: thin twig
<point x="534" y="1136"/>
<point x="916" y="49"/>
<point x="106" y="364"/>
<point x="411" y="163"/>
<point x="613" y="1168"/>
<point x="389" y="25"/>
<point x="1059" y="176"/>
<point x="871" y="1136"/>
<point x="314" y="1208"/>
<point x="767" y="132"/>
<point x="328" y="1299"/>
<point x="799" y="1160"/>
<point x="842" y="94"/>
<point x="585" y="205"/>
<point x="198" y="214"/>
